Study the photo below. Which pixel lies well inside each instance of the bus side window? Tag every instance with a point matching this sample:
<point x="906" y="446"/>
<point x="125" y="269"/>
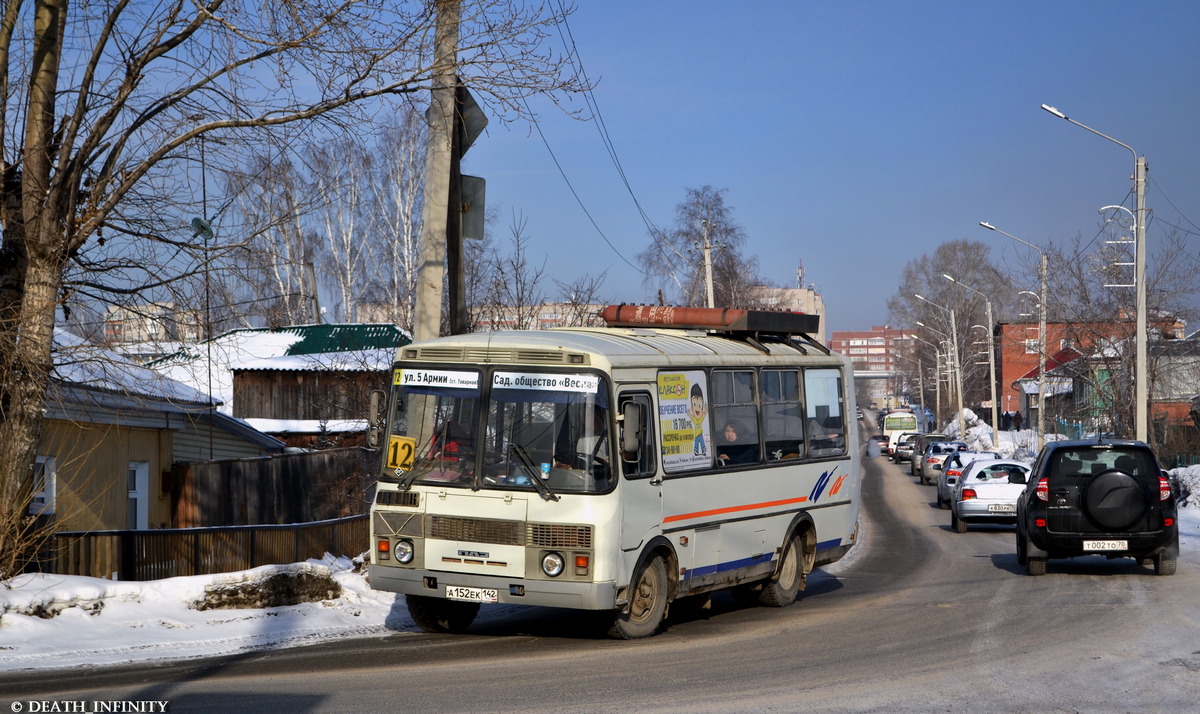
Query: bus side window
<point x="643" y="463"/>
<point x="826" y="425"/>
<point x="783" y="414"/>
<point x="735" y="417"/>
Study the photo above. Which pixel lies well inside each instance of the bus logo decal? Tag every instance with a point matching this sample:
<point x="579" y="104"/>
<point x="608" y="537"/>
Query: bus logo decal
<point x="819" y="488"/>
<point x="837" y="485"/>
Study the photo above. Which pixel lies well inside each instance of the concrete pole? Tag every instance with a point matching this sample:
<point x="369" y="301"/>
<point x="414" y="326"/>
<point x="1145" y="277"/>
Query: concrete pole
<point x="431" y="268"/>
<point x="992" y="370"/>
<point x="1141" y="379"/>
<point x="708" y="280"/>
<point x="962" y="415"/>
<point x="1043" y="346"/>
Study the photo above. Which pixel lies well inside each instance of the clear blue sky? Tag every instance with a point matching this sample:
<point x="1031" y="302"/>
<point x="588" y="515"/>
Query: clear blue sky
<point x="856" y="136"/>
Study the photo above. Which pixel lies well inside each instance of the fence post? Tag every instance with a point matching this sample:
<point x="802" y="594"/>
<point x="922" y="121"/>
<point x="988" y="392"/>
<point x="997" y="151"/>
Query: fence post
<point x="127" y="568"/>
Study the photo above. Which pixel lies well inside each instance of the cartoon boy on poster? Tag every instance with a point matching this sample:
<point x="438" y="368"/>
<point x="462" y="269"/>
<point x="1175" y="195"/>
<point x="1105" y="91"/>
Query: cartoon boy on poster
<point x="698" y="411"/>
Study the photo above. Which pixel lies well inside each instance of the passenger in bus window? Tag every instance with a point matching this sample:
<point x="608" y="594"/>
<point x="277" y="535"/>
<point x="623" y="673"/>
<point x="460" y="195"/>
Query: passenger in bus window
<point x="735" y="445"/>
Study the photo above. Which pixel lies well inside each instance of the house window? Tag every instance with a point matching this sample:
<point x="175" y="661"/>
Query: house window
<point x="139" y="489"/>
<point x="1031" y="347"/>
<point x="45" y="486"/>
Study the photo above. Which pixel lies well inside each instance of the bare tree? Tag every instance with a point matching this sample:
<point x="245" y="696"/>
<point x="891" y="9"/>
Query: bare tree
<point x="513" y="297"/>
<point x="1092" y="298"/>
<point x="101" y="104"/>
<point x="580" y="300"/>
<point x="397" y="200"/>
<point x="674" y="260"/>
<point x="968" y="263"/>
<point x="269" y="277"/>
<point x="341" y="173"/>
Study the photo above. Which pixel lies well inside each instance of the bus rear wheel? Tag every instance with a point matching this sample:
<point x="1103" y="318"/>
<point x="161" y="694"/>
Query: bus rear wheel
<point x="647" y="606"/>
<point x="795" y="565"/>
<point x="436" y="615"/>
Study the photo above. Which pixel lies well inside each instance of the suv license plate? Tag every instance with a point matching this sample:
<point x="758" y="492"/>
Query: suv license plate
<point x="1097" y="545"/>
<point x="1002" y="508"/>
<point x="458" y="592"/>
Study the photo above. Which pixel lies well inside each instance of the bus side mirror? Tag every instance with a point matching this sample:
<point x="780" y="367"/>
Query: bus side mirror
<point x="376" y="417"/>
<point x="631" y="431"/>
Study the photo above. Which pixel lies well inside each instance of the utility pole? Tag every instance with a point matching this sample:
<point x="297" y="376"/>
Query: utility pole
<point x="1141" y="378"/>
<point x="707" y="263"/>
<point x="431" y="268"/>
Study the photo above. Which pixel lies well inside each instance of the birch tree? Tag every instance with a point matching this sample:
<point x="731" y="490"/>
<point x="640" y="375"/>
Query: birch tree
<point x="102" y="102"/>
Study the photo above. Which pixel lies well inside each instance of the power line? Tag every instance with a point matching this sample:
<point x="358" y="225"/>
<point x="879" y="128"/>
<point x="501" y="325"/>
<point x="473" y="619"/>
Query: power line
<point x="601" y="127"/>
<point x="1181" y="214"/>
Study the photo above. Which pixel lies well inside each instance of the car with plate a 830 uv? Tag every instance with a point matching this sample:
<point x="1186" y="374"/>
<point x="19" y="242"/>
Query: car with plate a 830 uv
<point x="1106" y="498"/>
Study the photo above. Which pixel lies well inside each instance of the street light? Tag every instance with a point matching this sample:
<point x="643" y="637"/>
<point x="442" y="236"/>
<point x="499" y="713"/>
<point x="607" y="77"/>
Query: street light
<point x="991" y="353"/>
<point x="1141" y="389"/>
<point x="1041" y="416"/>
<point x="943" y="347"/>
<point x="962" y="416"/>
<point x="937" y="380"/>
<point x="922" y="423"/>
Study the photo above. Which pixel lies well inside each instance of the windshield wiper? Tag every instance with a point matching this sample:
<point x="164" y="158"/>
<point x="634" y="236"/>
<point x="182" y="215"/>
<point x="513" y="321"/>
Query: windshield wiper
<point x="534" y="472"/>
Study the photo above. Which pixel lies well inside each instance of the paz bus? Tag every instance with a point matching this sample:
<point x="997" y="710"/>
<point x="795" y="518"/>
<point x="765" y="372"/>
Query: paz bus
<point x="675" y="452"/>
<point x="895" y="423"/>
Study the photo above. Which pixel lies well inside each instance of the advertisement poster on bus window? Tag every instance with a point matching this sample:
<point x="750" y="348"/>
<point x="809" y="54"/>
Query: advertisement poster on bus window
<point x="683" y="417"/>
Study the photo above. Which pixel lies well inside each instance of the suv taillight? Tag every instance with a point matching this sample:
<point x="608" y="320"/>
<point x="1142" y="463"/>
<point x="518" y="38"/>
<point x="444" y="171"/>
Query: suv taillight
<point x="1043" y="489"/>
<point x="1164" y="489"/>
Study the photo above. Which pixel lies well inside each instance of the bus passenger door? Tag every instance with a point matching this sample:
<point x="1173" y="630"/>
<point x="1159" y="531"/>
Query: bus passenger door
<point x="641" y="483"/>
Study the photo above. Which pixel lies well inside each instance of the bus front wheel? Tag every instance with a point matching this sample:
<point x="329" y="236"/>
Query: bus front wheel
<point x="436" y="615"/>
<point x="647" y="603"/>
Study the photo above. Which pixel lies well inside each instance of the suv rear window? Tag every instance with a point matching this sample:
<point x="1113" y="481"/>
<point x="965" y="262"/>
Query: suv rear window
<point x="1090" y="462"/>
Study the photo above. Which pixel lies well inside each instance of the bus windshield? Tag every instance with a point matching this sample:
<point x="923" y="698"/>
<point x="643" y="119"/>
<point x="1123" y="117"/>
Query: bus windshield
<point x="899" y="421"/>
<point x="534" y="425"/>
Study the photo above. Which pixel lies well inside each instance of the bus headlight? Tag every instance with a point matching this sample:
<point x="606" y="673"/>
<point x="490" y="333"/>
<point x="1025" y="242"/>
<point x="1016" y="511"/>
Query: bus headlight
<point x="404" y="551"/>
<point x="553" y="564"/>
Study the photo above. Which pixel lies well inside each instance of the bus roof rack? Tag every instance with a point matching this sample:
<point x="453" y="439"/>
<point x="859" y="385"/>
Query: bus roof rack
<point x="734" y="321"/>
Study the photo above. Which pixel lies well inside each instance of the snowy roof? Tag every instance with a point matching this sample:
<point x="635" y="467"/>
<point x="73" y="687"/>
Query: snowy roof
<point x="373" y="360"/>
<point x="80" y="363"/>
<point x="209" y="365"/>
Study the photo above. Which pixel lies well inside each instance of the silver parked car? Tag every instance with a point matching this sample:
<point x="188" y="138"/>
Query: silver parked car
<point x="987" y="492"/>
<point x="952" y="468"/>
<point x="933" y="456"/>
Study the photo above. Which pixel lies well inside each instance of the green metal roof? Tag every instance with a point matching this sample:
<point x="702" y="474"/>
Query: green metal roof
<point x="323" y="339"/>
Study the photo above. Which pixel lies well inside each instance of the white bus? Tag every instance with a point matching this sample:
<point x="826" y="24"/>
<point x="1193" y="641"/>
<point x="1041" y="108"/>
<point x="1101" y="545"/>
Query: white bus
<point x="896" y="423"/>
<point x="731" y="464"/>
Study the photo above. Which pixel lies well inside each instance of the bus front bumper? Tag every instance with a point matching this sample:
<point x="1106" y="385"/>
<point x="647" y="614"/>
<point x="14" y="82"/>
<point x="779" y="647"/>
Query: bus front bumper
<point x="515" y="591"/>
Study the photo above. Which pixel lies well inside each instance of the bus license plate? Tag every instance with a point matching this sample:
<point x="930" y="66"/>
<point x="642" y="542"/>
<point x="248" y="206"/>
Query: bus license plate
<point x="458" y="592"/>
<point x="1098" y="545"/>
<point x="1002" y="508"/>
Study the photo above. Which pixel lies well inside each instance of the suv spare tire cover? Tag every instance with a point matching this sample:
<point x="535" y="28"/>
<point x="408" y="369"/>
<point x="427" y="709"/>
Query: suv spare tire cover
<point x="1114" y="500"/>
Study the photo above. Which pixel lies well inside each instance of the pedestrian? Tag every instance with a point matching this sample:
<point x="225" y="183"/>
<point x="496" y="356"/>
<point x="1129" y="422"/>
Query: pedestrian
<point x="1016" y="421"/>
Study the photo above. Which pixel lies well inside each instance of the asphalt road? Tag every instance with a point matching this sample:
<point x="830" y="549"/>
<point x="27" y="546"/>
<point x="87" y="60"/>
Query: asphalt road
<point x="918" y="619"/>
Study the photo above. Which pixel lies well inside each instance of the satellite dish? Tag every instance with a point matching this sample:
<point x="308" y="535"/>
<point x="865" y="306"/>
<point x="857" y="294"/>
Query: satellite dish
<point x="202" y="228"/>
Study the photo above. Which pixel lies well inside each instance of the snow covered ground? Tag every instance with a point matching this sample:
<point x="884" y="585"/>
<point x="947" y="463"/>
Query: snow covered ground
<point x="50" y="621"/>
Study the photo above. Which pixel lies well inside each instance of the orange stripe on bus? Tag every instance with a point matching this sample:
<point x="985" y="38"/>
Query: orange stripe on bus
<point x="734" y="509"/>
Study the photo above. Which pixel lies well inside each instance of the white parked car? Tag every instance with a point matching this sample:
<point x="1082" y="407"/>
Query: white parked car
<point x="951" y="468"/>
<point x="987" y="492"/>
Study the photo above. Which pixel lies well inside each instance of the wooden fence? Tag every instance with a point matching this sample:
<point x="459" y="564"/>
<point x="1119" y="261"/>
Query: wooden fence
<point x="285" y="488"/>
<point x="165" y="553"/>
